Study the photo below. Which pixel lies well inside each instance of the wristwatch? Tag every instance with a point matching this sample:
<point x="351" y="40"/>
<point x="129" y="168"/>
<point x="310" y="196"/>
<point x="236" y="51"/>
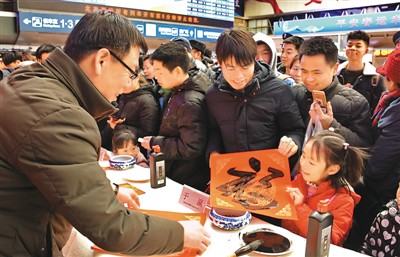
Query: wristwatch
<point x="116" y="188"/>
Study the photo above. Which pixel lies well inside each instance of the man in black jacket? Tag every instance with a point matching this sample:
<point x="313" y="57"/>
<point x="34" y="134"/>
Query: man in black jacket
<point x="347" y="110"/>
<point x="249" y="108"/>
<point x="183" y="131"/>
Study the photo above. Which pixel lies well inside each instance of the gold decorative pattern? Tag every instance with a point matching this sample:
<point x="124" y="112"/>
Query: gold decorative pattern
<point x="285" y="211"/>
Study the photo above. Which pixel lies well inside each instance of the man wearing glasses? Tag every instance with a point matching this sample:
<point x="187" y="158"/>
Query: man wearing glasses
<point x="50" y="145"/>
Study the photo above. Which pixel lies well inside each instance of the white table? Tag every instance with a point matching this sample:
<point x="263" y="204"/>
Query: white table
<point x="223" y="243"/>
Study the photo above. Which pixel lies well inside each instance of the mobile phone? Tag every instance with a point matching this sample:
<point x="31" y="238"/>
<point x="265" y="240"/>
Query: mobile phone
<point x="319" y="96"/>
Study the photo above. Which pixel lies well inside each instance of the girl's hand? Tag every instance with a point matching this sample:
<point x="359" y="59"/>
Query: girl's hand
<point x="296" y="195"/>
<point x="128" y="198"/>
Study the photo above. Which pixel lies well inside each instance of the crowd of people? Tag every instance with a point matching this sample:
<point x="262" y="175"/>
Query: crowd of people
<point x="102" y="92"/>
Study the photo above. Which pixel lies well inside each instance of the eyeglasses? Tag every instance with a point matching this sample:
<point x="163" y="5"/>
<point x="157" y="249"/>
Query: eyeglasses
<point x="133" y="73"/>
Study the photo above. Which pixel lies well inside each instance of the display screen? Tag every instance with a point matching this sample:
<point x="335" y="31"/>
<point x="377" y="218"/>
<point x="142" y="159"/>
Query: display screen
<point x="217" y="13"/>
<point x="217" y="9"/>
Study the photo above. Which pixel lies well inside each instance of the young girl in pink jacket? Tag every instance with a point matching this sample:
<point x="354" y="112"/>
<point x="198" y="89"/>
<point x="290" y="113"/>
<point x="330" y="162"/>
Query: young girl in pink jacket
<point x="328" y="168"/>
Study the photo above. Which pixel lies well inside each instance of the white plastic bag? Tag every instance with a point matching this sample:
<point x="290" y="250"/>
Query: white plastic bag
<point x="312" y="129"/>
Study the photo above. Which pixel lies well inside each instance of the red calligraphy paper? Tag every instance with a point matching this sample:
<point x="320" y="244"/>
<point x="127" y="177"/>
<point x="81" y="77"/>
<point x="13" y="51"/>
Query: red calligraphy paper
<point x="255" y="181"/>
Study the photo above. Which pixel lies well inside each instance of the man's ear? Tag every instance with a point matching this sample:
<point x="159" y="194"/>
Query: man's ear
<point x="177" y="71"/>
<point x="102" y="60"/>
<point x="333" y="169"/>
<point x="335" y="67"/>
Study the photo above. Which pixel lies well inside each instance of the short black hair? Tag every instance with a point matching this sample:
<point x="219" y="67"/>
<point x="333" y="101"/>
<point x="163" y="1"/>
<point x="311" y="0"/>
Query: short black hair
<point x="320" y="45"/>
<point x="44" y="48"/>
<point x="360" y="35"/>
<point x="295" y="40"/>
<point x="147" y="57"/>
<point x="172" y="55"/>
<point x="103" y="29"/>
<point x="238" y="44"/>
<point x="121" y="137"/>
<point x="11" y="56"/>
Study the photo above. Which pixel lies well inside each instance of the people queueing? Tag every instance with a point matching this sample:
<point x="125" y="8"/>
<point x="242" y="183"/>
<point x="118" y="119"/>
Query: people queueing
<point x="11" y="60"/>
<point x="43" y="51"/>
<point x="161" y="94"/>
<point x="248" y="107"/>
<point x="346" y="110"/>
<point x="295" y="70"/>
<point x="266" y="52"/>
<point x="49" y="153"/>
<point x="359" y="74"/>
<point x="198" y="49"/>
<point x="183" y="131"/>
<point x="329" y="167"/>
<point x="198" y="52"/>
<point x="290" y="48"/>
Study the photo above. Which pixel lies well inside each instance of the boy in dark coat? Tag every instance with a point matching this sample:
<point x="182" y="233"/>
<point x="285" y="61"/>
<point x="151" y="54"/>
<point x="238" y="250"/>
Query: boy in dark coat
<point x="183" y="131"/>
<point x="249" y="108"/>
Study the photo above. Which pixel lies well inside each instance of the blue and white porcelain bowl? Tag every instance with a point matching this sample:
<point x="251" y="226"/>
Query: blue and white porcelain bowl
<point x="121" y="162"/>
<point x="229" y="219"/>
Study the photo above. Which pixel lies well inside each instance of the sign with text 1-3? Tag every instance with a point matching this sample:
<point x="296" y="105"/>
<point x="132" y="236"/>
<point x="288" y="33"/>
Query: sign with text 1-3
<point x="64" y="23"/>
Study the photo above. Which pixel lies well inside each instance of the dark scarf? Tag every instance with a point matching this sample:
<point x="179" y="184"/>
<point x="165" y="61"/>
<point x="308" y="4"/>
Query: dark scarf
<point x="386" y="98"/>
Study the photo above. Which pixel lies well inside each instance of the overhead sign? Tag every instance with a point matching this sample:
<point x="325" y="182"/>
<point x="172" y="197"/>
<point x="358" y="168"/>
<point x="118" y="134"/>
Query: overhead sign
<point x="194" y="12"/>
<point x="62" y="23"/>
<point x="368" y="21"/>
<point x="263" y="7"/>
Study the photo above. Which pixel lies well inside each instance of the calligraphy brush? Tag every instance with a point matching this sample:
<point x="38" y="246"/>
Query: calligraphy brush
<point x="247" y="248"/>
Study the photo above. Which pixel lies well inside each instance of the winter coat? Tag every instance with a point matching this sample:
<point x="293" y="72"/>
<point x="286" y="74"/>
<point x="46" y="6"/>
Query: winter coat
<point x="383" y="238"/>
<point x="351" y="112"/>
<point x="341" y="206"/>
<point x="48" y="168"/>
<point x="370" y="84"/>
<point x="183" y="132"/>
<point x="255" y="119"/>
<point x="382" y="170"/>
<point x="141" y="113"/>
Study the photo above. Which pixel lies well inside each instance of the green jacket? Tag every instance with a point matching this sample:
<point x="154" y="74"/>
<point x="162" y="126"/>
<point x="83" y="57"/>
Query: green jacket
<point x="49" y="174"/>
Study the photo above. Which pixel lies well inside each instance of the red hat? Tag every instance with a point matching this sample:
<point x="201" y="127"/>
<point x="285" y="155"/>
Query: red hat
<point x="391" y="68"/>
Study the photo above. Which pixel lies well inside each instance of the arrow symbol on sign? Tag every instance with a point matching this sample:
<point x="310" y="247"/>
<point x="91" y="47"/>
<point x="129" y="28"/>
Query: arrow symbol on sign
<point x="27" y="21"/>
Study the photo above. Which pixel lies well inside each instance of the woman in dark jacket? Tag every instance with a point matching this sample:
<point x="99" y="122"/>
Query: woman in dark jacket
<point x="139" y="112"/>
<point x="382" y="171"/>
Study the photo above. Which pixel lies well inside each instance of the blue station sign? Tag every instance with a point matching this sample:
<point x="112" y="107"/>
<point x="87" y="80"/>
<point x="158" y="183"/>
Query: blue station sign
<point x="367" y="21"/>
<point x="64" y="23"/>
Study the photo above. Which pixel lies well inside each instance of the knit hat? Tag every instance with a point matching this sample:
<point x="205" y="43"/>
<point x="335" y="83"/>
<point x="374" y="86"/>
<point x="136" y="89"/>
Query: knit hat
<point x="391" y="68"/>
<point x="199" y="46"/>
<point x="183" y="42"/>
